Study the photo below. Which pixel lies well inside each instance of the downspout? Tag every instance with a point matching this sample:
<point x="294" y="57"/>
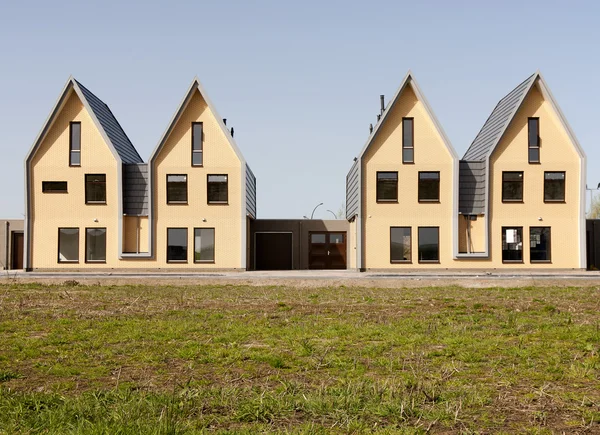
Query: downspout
<point x="468" y="236"/>
<point x="7" y="243"/>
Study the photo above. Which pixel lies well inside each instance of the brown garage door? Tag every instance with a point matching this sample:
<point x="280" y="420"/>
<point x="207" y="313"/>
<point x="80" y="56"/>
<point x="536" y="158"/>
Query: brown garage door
<point x="327" y="250"/>
<point x="273" y="251"/>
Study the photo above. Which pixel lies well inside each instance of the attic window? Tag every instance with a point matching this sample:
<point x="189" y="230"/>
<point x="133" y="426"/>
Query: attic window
<point x="197" y="151"/>
<point x="75" y="144"/>
<point x="408" y="140"/>
<point x="534" y="139"/>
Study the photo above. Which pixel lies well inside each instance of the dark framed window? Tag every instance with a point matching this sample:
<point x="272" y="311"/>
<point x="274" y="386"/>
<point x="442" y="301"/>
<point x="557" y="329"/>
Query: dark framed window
<point x="512" y="244"/>
<point x="400" y="245"/>
<point x="217" y="189"/>
<point x="429" y="245"/>
<point x="539" y="244"/>
<point x="204" y="245"/>
<point x="75" y="144"/>
<point x="387" y="186"/>
<point x="54" y="186"/>
<point x="554" y="186"/>
<point x="533" y="139"/>
<point x="68" y="245"/>
<point x="512" y="186"/>
<point x="318" y="238"/>
<point x="408" y="140"/>
<point x="197" y="149"/>
<point x="95" y="188"/>
<point x="177" y="189"/>
<point x="177" y="244"/>
<point x="95" y="245"/>
<point x="429" y="186"/>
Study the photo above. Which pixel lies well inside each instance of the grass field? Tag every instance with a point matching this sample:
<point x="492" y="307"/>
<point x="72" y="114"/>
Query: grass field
<point x="241" y="359"/>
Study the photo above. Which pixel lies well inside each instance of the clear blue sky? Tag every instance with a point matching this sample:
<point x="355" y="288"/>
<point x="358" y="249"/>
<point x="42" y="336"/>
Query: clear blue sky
<point x="299" y="81"/>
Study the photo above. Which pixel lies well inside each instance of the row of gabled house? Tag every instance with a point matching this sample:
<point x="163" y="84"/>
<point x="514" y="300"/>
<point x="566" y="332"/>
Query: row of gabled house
<point x="515" y="200"/>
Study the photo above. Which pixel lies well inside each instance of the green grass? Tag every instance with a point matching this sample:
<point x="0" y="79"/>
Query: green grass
<point x="97" y="359"/>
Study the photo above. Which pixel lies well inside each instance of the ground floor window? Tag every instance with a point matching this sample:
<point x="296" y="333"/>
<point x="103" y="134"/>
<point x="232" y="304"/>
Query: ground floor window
<point x="539" y="244"/>
<point x="68" y="245"/>
<point x="95" y="245"/>
<point x="177" y="244"/>
<point x="204" y="245"/>
<point x="429" y="244"/>
<point x="400" y="244"/>
<point x="512" y="244"/>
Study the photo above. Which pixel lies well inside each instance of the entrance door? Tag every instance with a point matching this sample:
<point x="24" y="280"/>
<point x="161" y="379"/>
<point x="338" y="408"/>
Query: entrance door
<point x="17" y="251"/>
<point x="327" y="250"/>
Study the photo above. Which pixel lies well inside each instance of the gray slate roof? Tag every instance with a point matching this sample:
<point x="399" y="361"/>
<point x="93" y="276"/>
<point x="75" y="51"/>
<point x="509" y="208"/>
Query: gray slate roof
<point x="471" y="192"/>
<point x="491" y="132"/>
<point x="135" y="189"/>
<point x="111" y="126"/>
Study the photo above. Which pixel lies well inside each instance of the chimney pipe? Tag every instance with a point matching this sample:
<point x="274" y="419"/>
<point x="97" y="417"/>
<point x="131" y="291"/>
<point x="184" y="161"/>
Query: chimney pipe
<point x="231" y="131"/>
<point x="225" y="121"/>
<point x="370" y="128"/>
<point x="378" y="118"/>
<point x="382" y="98"/>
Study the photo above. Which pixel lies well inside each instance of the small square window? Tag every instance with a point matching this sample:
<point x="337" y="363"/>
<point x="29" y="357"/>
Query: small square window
<point x="554" y="186"/>
<point x="387" y="186"/>
<point x="429" y="186"/>
<point x="177" y="189"/>
<point x="95" y="188"/>
<point x="217" y="189"/>
<point x="512" y="186"/>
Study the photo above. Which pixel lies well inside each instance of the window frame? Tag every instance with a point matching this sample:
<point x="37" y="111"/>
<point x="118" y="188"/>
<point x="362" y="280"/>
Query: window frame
<point x="409" y="261"/>
<point x="419" y="245"/>
<point x="174" y="202"/>
<point x="419" y="187"/>
<point x="89" y="202"/>
<point x="66" y="190"/>
<point x="556" y="201"/>
<point x="208" y="182"/>
<point x="514" y="201"/>
<point x="186" y="246"/>
<point x="522" y="260"/>
<point x="58" y="260"/>
<point x="539" y="140"/>
<point x="71" y="150"/>
<point x="549" y="250"/>
<point x="404" y="146"/>
<point x="86" y="245"/>
<point x="214" y="246"/>
<point x="201" y="150"/>
<point x="377" y="189"/>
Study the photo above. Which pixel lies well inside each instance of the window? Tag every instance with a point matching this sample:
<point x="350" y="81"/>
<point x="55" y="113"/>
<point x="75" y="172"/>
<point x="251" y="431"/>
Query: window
<point x="533" y="125"/>
<point x="95" y="245"/>
<point x="176" y="189"/>
<point x="204" y="245"/>
<point x="217" y="189"/>
<point x="387" y="186"/>
<point x="512" y="244"/>
<point x="197" y="157"/>
<point x="429" y="245"/>
<point x="177" y="245"/>
<point x="336" y="238"/>
<point x="75" y="144"/>
<point x="400" y="245"/>
<point x="408" y="140"/>
<point x="95" y="188"/>
<point x="554" y="186"/>
<point x="318" y="238"/>
<point x="68" y="245"/>
<point x="54" y="186"/>
<point x="512" y="186"/>
<point x="429" y="186"/>
<point x="539" y="244"/>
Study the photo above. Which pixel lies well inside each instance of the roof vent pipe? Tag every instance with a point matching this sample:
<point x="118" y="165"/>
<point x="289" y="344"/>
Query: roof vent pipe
<point x="225" y="121"/>
<point x="231" y="131"/>
<point x="370" y="128"/>
<point x="378" y="118"/>
<point x="382" y="98"/>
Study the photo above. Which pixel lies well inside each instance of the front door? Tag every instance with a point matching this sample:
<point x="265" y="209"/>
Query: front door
<point x="327" y="250"/>
<point x="17" y="251"/>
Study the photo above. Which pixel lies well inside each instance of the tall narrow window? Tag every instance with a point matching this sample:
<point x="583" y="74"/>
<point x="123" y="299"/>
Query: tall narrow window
<point x="197" y="150"/>
<point x="539" y="244"/>
<point x="534" y="139"/>
<point x="176" y="189"/>
<point x="408" y="140"/>
<point x="387" y="186"/>
<point x="68" y="245"/>
<point x="95" y="245"/>
<point x="400" y="245"/>
<point x="512" y="186"/>
<point x="75" y="144"/>
<point x="429" y="245"/>
<point x="512" y="244"/>
<point x="429" y="186"/>
<point x="204" y="245"/>
<point x="554" y="186"/>
<point x="177" y="245"/>
<point x="95" y="188"/>
<point x="217" y="189"/>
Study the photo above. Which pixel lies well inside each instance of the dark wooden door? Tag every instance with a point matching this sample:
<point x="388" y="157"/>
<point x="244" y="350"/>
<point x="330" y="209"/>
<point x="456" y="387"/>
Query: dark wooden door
<point x="17" y="251"/>
<point x="273" y="251"/>
<point x="327" y="250"/>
